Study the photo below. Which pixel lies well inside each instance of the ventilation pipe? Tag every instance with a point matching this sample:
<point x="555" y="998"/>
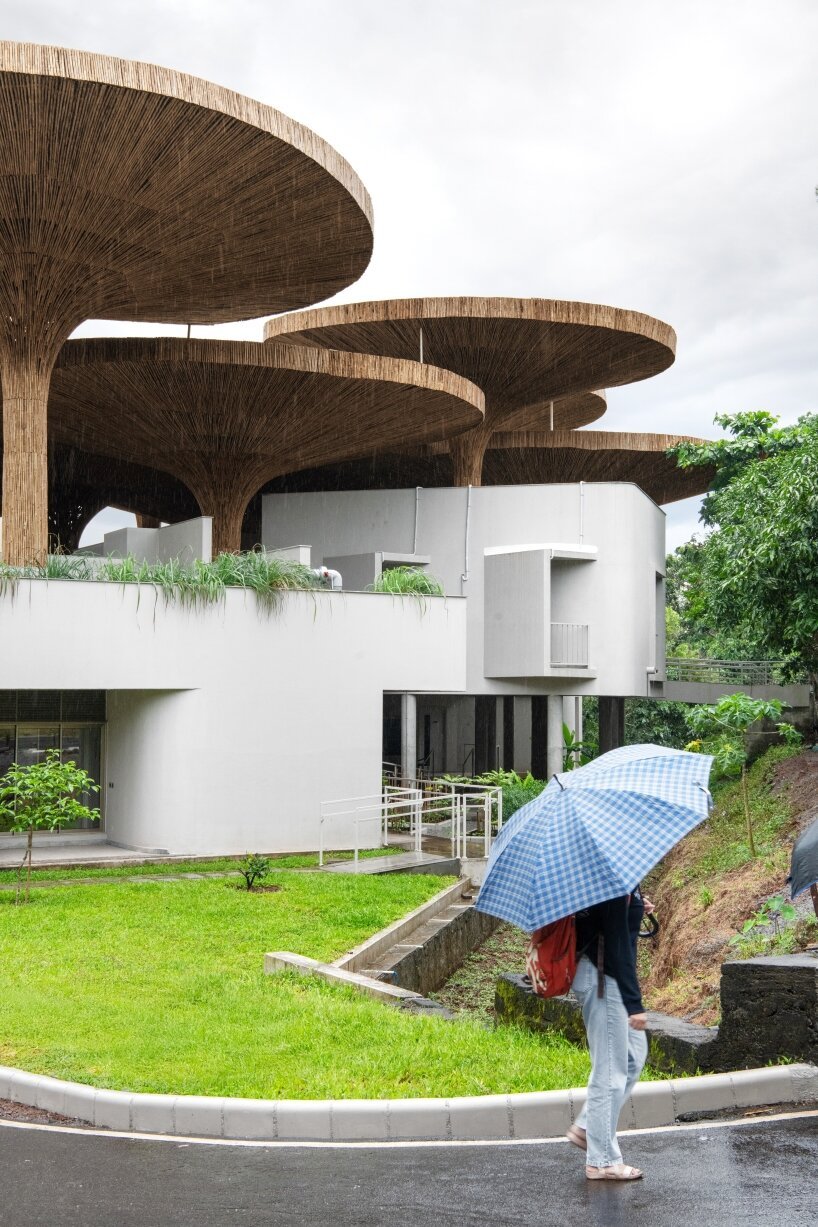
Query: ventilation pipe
<point x="331" y="578"/>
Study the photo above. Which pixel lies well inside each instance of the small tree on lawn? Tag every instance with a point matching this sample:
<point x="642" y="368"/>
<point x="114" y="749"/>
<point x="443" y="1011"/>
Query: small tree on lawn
<point x="43" y="797"/>
<point x="723" y="727"/>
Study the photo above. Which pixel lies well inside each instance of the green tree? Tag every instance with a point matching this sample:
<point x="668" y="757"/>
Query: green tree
<point x="722" y="729"/>
<point x="754" y="578"/>
<point x="42" y="797"/>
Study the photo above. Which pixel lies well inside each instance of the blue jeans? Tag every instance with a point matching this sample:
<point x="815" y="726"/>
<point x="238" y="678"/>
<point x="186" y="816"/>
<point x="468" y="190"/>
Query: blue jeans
<point x="617" y="1056"/>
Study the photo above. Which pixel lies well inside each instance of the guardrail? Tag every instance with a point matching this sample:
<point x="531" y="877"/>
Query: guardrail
<point x="569" y="645"/>
<point x="413" y="809"/>
<point x="730" y="672"/>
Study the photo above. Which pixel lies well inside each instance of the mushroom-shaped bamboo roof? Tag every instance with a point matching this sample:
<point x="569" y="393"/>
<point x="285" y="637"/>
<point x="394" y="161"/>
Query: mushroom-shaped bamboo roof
<point x="521" y="351"/>
<point x="224" y="417"/>
<point x="516" y="458"/>
<point x="153" y="195"/>
<point x="129" y="191"/>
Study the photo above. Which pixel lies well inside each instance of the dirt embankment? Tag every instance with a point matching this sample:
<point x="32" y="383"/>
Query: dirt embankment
<point x="702" y="906"/>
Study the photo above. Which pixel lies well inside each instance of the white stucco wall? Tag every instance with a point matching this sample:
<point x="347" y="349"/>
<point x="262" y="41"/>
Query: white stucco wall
<point x="227" y="728"/>
<point x="614" y="595"/>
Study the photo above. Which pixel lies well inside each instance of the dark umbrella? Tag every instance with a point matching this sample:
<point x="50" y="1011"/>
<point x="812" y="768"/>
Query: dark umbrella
<point x="804" y="867"/>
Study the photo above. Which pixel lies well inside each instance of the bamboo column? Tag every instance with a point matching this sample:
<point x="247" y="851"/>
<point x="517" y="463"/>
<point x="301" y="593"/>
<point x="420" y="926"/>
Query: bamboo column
<point x="467" y="452"/>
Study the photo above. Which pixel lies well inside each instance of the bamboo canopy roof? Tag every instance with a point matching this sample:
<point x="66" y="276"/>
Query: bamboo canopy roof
<point x="129" y="191"/>
<point x="523" y="352"/>
<point x="563" y="413"/>
<point x="520" y="351"/>
<point x="148" y="194"/>
<point x="597" y="456"/>
<point x="543" y="457"/>
<point x="224" y="417"/>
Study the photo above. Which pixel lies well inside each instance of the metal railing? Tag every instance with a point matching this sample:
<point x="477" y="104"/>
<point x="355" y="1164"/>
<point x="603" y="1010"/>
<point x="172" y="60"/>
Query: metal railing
<point x="569" y="645"/>
<point x="729" y="672"/>
<point x="417" y="810"/>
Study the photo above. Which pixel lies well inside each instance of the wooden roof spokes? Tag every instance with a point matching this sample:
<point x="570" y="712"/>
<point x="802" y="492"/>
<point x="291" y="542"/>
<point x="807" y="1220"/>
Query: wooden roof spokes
<point x="226" y="416"/>
<point x="129" y="191"/>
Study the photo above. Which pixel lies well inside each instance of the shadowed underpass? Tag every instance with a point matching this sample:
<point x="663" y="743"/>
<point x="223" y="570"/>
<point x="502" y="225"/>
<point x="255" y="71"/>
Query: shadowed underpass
<point x="732" y="1175"/>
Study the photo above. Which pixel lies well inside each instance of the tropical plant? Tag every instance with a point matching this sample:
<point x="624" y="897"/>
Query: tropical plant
<point x="194" y="584"/>
<point x="771" y="914"/>
<point x="517" y="790"/>
<point x="575" y="752"/>
<point x="43" y="796"/>
<point x="721" y="730"/>
<point x="410" y="581"/>
<point x="755" y="577"/>
<point x="253" y="867"/>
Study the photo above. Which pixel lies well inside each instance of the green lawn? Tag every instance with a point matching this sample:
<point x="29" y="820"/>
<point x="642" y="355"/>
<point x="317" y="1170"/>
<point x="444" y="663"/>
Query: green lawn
<point x="225" y="864"/>
<point x="158" y="986"/>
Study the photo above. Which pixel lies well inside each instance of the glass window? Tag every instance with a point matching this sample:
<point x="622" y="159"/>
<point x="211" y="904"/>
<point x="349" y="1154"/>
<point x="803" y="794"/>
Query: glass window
<point x="6" y="759"/>
<point x="83" y="705"/>
<point x="32" y="744"/>
<point x="82" y="746"/>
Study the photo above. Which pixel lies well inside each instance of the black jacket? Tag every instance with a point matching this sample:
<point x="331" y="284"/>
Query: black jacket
<point x="618" y="921"/>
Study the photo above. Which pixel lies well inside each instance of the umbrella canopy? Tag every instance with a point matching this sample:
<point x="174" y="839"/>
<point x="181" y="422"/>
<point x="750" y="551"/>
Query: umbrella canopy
<point x="593" y="833"/>
<point x="804" y="865"/>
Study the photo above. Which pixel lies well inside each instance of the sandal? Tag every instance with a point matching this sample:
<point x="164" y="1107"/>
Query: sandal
<point x="577" y="1137"/>
<point x="617" y="1171"/>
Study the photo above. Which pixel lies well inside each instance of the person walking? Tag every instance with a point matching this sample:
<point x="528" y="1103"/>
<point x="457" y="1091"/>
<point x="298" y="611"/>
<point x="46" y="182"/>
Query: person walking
<point x="607" y="988"/>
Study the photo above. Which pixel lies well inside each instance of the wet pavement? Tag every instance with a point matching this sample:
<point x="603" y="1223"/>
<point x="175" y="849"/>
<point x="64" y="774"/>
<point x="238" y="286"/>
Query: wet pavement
<point x="749" y="1173"/>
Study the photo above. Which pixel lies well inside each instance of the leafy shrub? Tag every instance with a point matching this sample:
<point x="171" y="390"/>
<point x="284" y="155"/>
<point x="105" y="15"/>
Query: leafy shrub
<point x="253" y="867"/>
<point x="409" y="581"/>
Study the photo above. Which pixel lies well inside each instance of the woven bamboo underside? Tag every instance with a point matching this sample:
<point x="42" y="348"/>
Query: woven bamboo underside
<point x="225" y="417"/>
<point x="132" y="192"/>
<point x="565" y="456"/>
<point x="521" y="352"/>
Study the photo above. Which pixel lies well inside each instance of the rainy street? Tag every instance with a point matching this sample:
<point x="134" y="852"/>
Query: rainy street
<point x="731" y="1174"/>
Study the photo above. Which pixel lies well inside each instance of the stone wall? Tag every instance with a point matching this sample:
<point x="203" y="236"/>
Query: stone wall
<point x="769" y="1012"/>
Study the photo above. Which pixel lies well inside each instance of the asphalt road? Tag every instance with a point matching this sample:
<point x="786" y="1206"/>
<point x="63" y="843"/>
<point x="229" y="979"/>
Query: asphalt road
<point x="758" y="1172"/>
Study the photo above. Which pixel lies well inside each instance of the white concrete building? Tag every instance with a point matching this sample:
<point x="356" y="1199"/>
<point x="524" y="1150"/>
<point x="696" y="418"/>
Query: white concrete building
<point x="218" y="729"/>
<point x="564" y="591"/>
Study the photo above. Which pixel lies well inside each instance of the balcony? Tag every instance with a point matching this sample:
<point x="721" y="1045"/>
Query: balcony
<point x="569" y="645"/>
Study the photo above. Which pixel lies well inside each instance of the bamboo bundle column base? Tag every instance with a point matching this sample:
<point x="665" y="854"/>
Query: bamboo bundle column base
<point x="25" y="383"/>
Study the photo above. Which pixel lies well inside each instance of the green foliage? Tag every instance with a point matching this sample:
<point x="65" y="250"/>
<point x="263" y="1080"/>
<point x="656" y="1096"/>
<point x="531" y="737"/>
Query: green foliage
<point x="174" y="999"/>
<point x="253" y="867"/>
<point x="722" y="730"/>
<point x="705" y="897"/>
<point x="576" y="753"/>
<point x="770" y="915"/>
<point x="195" y="584"/>
<point x="407" y="581"/>
<point x="757" y="571"/>
<point x="43" y="796"/>
<point x="655" y="721"/>
<point x="724" y="843"/>
<point x="517" y="790"/>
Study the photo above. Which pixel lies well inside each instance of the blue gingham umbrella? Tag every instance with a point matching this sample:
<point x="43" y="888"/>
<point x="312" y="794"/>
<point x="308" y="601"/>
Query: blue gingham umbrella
<point x="593" y="833"/>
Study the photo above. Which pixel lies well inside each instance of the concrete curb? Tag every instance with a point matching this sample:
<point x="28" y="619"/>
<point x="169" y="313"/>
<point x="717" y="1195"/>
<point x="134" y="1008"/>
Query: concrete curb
<point x="484" y="1118"/>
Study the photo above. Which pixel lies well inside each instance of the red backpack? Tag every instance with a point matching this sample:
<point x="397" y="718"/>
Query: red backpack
<point x="551" y="958"/>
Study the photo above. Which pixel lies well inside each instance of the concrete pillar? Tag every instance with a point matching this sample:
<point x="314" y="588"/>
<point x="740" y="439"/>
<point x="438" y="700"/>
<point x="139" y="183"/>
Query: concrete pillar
<point x="611" y="723"/>
<point x="408" y="736"/>
<point x="522" y="735"/>
<point x="554" y="750"/>
<point x="572" y="714"/>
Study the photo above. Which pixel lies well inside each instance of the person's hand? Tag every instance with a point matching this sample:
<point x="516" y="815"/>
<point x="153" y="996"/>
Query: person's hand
<point x="650" y="906"/>
<point x="638" y="1021"/>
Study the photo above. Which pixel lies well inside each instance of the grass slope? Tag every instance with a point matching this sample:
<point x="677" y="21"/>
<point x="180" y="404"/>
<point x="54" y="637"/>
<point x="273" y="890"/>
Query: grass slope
<point x="709" y="885"/>
<point x="158" y="986"/>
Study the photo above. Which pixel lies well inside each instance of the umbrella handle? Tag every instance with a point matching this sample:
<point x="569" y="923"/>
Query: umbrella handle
<point x="652" y="926"/>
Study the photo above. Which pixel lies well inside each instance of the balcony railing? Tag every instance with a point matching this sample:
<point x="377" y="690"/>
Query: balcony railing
<point x="569" y="645"/>
<point x="730" y="672"/>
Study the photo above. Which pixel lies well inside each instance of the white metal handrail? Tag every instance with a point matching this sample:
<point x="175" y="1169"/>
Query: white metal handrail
<point x="424" y="803"/>
<point x="732" y="672"/>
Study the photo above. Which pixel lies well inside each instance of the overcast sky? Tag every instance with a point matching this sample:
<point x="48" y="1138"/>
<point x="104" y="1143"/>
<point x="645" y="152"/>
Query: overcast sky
<point x="659" y="156"/>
